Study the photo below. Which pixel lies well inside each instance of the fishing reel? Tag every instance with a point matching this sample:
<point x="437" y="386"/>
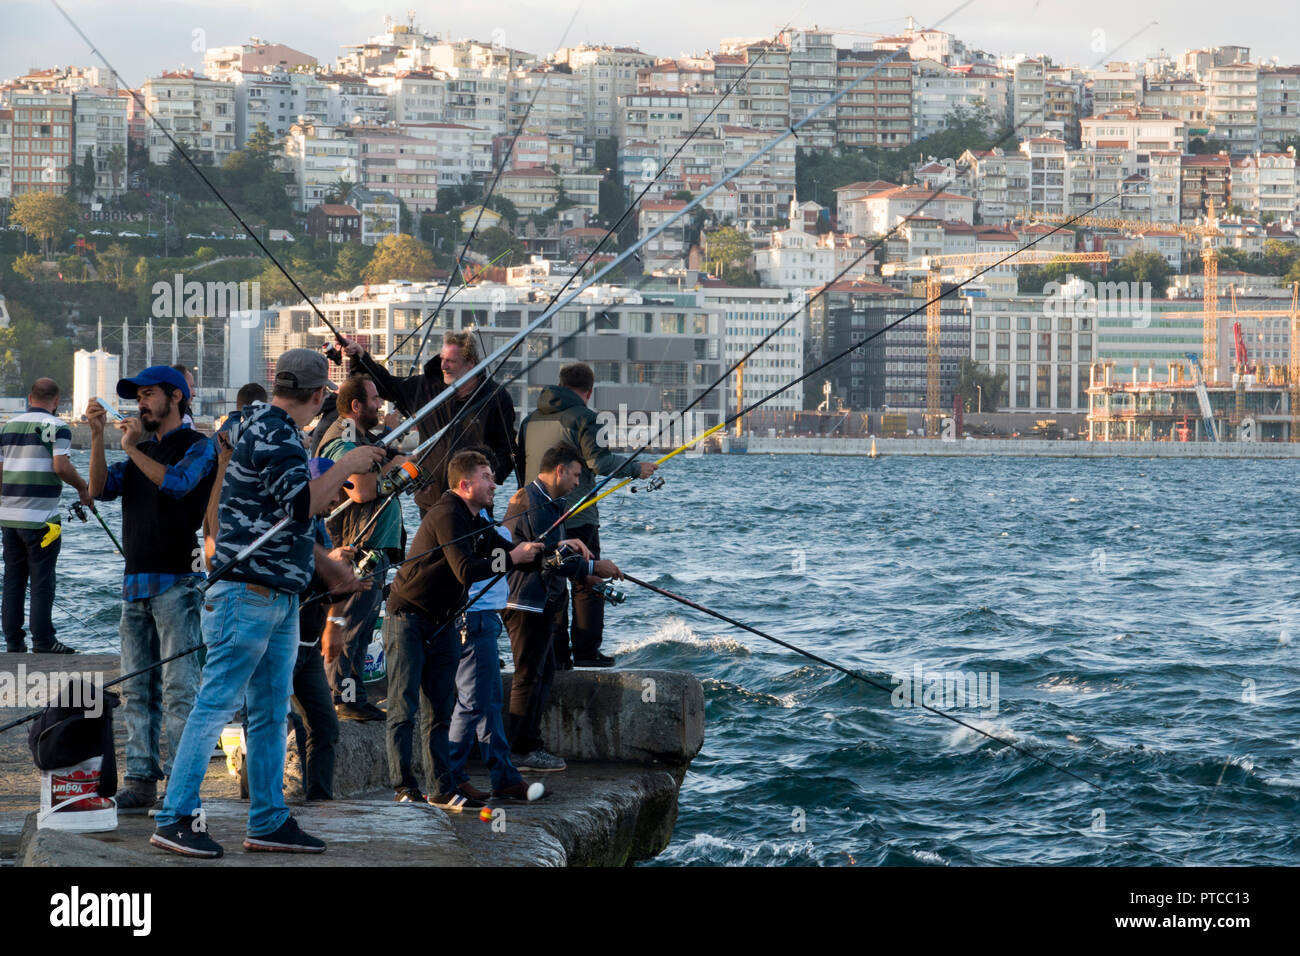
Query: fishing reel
<point x="653" y="483"/>
<point x="368" y="564"/>
<point x="333" y="353"/>
<point x="399" y="479"/>
<point x="78" y="511"/>
<point x="555" y="560"/>
<point x="611" y="594"/>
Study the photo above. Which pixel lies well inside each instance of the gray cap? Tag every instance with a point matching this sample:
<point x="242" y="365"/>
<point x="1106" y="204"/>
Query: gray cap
<point x="303" y="368"/>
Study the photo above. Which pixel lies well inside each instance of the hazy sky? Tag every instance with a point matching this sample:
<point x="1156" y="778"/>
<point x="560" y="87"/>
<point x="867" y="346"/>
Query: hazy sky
<point x="143" y="37"/>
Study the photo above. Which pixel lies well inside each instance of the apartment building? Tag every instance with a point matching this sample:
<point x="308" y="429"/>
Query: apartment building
<point x="878" y="110"/>
<point x="1232" y="107"/>
<point x="197" y="111"/>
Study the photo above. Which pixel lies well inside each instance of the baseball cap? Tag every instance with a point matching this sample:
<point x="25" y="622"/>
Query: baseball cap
<point x="153" y="375"/>
<point x="303" y="368"/>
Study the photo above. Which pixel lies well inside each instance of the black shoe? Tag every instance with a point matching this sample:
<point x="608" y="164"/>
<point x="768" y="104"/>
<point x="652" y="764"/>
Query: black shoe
<point x="456" y="801"/>
<point x="57" y="647"/>
<point x="357" y="712"/>
<point x="564" y="665"/>
<point x="378" y="713"/>
<point x="138" y="796"/>
<point x="20" y="648"/>
<point x="181" y="837"/>
<point x="409" y="795"/>
<point x="596" y="660"/>
<point x="288" y="839"/>
<point x="518" y="792"/>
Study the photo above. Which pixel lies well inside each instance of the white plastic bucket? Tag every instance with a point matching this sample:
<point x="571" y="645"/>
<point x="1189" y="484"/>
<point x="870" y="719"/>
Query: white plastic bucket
<point x="70" y="800"/>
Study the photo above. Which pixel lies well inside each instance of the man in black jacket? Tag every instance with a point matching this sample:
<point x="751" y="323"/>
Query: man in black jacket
<point x="489" y="420"/>
<point x="536" y="591"/>
<point x="563" y="416"/>
<point x="454" y="547"/>
<point x="164" y="485"/>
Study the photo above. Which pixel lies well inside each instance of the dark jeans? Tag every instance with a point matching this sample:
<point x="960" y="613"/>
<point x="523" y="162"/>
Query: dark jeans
<point x="478" y="704"/>
<point x="26" y="561"/>
<point x="588" y="608"/>
<point x="421" y="663"/>
<point x="311" y="695"/>
<point x="361" y="611"/>
<point x="530" y="688"/>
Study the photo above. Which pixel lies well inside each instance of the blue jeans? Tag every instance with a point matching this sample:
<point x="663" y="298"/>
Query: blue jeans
<point x="478" y="703"/>
<point x="25" y="560"/>
<point x="252" y="641"/>
<point x="421" y="662"/>
<point x="152" y="629"/>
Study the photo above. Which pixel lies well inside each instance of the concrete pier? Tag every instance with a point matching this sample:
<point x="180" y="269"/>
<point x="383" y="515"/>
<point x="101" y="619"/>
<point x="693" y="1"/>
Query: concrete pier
<point x="1011" y="448"/>
<point x="628" y="737"/>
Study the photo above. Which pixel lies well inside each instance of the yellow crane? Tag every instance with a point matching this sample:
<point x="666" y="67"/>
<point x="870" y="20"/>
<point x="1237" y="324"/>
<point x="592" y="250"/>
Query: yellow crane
<point x="1205" y="231"/>
<point x="933" y="267"/>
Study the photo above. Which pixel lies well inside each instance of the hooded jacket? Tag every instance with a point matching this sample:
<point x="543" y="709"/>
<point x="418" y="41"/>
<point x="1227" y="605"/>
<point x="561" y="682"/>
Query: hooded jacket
<point x="562" y="417"/>
<point x="490" y="420"/>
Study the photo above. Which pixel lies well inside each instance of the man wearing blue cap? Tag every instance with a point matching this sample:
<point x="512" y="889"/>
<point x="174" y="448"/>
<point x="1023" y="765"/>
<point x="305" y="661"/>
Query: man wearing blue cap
<point x="164" y="485"/>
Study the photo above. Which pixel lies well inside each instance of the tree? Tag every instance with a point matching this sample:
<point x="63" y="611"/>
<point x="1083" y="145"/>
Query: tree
<point x="263" y="144"/>
<point x="116" y="165"/>
<point x="351" y="262"/>
<point x="44" y="216"/>
<point x="89" y="177"/>
<point x="1141" y="265"/>
<point x="29" y="267"/>
<point x="400" y="257"/>
<point x="493" y="242"/>
<point x="113" y="264"/>
<point x="339" y="189"/>
<point x="727" y="246"/>
<point x="977" y="387"/>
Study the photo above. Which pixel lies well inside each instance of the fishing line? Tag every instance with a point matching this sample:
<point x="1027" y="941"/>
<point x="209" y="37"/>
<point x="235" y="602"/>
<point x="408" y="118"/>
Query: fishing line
<point x="248" y="231"/>
<point x="459" y="263"/>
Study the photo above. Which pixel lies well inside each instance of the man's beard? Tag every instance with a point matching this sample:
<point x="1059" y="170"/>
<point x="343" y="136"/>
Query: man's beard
<point x="152" y="423"/>
<point x="368" y="421"/>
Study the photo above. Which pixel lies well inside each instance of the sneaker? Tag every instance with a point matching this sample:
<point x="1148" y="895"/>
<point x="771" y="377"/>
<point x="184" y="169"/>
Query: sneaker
<point x="19" y="648"/>
<point x="565" y="665"/>
<point x="181" y="837"/>
<point x="470" y="790"/>
<point x="357" y="712"/>
<point x="55" y="647"/>
<point x="287" y="839"/>
<point x="518" y="792"/>
<point x="138" y="796"/>
<point x="457" y="800"/>
<point x="539" y="760"/>
<point x="596" y="660"/>
<point x="408" y="795"/>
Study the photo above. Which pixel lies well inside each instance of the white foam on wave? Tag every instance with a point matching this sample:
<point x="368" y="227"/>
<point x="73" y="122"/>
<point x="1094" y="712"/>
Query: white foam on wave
<point x="676" y="631"/>
<point x="708" y="845"/>
<point x="926" y="856"/>
<point x="1290" y="783"/>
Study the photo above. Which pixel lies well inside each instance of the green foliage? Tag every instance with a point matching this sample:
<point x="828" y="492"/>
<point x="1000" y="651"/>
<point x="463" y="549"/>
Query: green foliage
<point x="974" y="381"/>
<point x="726" y="247"/>
<point x="819" y="172"/>
<point x="492" y="242"/>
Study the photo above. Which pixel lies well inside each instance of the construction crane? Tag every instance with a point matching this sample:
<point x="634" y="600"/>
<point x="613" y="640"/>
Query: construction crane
<point x="1293" y="316"/>
<point x="1205" y="231"/>
<point x="932" y="266"/>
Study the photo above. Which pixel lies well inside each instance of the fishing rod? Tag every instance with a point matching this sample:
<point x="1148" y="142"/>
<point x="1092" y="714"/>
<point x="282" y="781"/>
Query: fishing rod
<point x="458" y="263"/>
<point x="78" y="511"/>
<point x="612" y="230"/>
<point x="248" y="230"/>
<point x="422" y="477"/>
<point x="589" y="501"/>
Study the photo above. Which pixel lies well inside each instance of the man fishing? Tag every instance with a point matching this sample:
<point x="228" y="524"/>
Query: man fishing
<point x="490" y="419"/>
<point x="164" y="484"/>
<point x="456" y="546"/>
<point x="250" y="619"/>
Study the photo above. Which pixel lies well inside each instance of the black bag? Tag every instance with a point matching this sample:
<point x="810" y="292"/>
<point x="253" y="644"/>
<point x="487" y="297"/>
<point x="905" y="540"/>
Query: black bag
<point x="63" y="736"/>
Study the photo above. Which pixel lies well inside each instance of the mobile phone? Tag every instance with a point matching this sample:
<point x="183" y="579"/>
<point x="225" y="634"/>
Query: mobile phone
<point x="113" y="415"/>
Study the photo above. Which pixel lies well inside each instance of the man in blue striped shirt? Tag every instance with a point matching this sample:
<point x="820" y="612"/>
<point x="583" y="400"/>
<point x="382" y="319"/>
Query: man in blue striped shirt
<point x="164" y="484"/>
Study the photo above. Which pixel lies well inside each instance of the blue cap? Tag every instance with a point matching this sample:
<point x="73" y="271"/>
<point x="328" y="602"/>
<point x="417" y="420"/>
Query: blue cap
<point x="153" y="375"/>
<point x="318" y="466"/>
